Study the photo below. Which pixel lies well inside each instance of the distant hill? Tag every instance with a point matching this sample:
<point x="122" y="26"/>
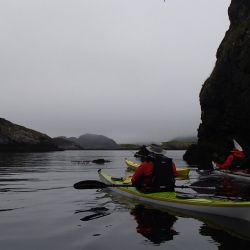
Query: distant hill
<point x="180" y="143"/>
<point x="186" y="139"/>
<point x="93" y="141"/>
<point x="129" y="146"/>
<point x="16" y="138"/>
<point x="65" y="144"/>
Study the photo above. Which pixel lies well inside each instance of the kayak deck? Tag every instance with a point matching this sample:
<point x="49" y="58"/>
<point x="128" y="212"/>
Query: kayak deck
<point x="182" y="172"/>
<point x="221" y="207"/>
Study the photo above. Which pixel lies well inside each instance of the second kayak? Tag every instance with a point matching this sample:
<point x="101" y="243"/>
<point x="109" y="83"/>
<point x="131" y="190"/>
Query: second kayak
<point x="182" y="172"/>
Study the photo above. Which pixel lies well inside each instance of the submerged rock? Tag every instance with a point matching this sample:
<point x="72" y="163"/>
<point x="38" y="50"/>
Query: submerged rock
<point x="97" y="161"/>
<point x="100" y="161"/>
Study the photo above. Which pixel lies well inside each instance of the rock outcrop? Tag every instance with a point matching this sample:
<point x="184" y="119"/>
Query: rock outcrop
<point x="224" y="97"/>
<point x="16" y="138"/>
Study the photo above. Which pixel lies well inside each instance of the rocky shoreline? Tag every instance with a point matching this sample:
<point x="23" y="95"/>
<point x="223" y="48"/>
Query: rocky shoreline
<point x="16" y="138"/>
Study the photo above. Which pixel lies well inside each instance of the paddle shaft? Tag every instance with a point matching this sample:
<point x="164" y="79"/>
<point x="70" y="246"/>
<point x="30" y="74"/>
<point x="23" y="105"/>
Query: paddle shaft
<point x="182" y="186"/>
<point x="93" y="184"/>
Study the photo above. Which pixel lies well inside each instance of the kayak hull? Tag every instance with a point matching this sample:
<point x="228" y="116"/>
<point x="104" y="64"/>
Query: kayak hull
<point x="182" y="172"/>
<point x="237" y="175"/>
<point x="239" y="210"/>
<point x="234" y="174"/>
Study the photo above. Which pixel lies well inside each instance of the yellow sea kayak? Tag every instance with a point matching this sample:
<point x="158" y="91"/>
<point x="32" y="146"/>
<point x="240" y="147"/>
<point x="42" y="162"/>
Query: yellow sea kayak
<point x="182" y="172"/>
<point x="222" y="207"/>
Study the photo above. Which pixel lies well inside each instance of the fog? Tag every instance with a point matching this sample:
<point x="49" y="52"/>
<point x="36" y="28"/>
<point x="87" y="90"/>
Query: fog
<point x="131" y="70"/>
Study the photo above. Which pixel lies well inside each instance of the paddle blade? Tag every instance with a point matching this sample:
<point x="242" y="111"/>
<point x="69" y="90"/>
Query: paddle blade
<point x="89" y="184"/>
<point x="215" y="165"/>
<point x="237" y="145"/>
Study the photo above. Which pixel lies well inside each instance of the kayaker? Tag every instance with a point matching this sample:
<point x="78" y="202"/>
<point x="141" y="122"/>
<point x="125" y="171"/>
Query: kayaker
<point x="234" y="160"/>
<point x="142" y="152"/>
<point x="156" y="173"/>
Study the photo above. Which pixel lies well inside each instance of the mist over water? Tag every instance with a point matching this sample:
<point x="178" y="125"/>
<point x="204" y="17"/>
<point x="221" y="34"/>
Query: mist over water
<point x="130" y="70"/>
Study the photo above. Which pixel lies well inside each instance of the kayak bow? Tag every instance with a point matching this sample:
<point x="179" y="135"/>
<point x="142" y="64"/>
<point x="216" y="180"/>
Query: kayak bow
<point x="191" y="206"/>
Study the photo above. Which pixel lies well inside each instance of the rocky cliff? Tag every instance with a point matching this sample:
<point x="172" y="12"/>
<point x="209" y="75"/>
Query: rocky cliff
<point x="224" y="97"/>
<point x="15" y="138"/>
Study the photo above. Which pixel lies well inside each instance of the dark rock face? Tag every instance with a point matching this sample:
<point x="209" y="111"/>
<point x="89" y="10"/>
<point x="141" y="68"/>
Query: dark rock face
<point x="97" y="161"/>
<point x="224" y="97"/>
<point x="100" y="161"/>
<point x="65" y="144"/>
<point x="92" y="141"/>
<point x="15" y="138"/>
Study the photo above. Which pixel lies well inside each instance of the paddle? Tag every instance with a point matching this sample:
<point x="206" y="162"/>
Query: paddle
<point x="93" y="184"/>
<point x="237" y="145"/>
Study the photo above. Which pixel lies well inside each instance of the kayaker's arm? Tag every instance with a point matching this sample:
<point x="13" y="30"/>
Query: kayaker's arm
<point x="136" y="175"/>
<point x="227" y="163"/>
<point x="174" y="170"/>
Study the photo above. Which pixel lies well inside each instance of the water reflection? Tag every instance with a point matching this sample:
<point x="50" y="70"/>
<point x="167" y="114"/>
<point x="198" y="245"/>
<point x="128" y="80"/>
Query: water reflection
<point x="225" y="186"/>
<point x="157" y="225"/>
<point x="95" y="213"/>
<point x="227" y="241"/>
<point x="153" y="224"/>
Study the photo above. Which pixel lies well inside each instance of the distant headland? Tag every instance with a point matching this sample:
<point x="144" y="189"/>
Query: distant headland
<point x="16" y="138"/>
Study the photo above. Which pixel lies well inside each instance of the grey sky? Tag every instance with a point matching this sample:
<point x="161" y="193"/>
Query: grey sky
<point x="128" y="69"/>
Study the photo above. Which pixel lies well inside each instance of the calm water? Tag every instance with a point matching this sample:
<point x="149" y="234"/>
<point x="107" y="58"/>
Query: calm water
<point x="40" y="209"/>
